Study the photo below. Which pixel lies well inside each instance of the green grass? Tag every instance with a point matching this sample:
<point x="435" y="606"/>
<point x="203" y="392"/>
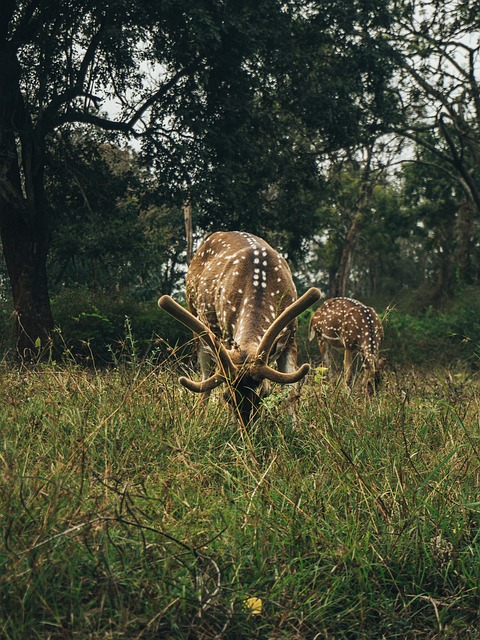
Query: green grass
<point x="127" y="512"/>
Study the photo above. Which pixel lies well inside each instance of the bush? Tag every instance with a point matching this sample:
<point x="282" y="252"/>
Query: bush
<point x="444" y="337"/>
<point x="94" y="325"/>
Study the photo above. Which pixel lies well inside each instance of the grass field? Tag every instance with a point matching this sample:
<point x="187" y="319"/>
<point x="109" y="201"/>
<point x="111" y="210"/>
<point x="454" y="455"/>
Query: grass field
<point x="127" y="513"/>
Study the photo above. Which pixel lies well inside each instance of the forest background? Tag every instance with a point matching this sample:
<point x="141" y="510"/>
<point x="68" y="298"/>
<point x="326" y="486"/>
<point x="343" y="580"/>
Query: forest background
<point x="347" y="134"/>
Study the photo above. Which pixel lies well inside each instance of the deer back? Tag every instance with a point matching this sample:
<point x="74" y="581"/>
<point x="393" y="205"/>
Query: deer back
<point x="237" y="285"/>
<point x="347" y="323"/>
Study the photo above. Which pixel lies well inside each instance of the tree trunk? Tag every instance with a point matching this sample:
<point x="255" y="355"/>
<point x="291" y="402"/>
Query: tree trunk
<point x="346" y="259"/>
<point x="187" y="217"/>
<point x="465" y="240"/>
<point x="24" y="227"/>
<point x="343" y="274"/>
<point x="25" y="249"/>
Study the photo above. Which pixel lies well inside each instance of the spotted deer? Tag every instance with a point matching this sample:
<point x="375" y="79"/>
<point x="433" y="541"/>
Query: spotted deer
<point x="243" y="306"/>
<point x="344" y="324"/>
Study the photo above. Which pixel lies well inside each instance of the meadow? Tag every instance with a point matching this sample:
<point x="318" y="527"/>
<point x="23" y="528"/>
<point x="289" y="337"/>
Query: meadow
<point x="128" y="512"/>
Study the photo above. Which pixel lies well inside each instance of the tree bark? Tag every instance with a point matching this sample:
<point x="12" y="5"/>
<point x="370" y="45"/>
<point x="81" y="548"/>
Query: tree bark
<point x="187" y="216"/>
<point x="24" y="226"/>
<point x="345" y="266"/>
<point x="25" y="251"/>
<point x="346" y="259"/>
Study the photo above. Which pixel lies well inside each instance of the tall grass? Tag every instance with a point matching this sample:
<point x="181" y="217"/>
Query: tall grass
<point x="128" y="511"/>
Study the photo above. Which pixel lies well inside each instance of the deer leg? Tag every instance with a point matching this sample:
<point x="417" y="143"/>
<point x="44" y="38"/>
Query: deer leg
<point x="347" y="367"/>
<point x="368" y="378"/>
<point x="327" y="358"/>
<point x="287" y="363"/>
<point x="206" y="367"/>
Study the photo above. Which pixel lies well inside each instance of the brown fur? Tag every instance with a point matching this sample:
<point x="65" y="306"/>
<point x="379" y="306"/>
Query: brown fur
<point x="238" y="286"/>
<point x="347" y="325"/>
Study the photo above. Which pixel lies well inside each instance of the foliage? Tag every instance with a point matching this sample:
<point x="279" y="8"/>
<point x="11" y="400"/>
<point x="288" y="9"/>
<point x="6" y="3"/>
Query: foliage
<point x="229" y="118"/>
<point x="128" y="512"/>
<point x="92" y="326"/>
<point x="385" y="259"/>
<point x="447" y="227"/>
<point x="438" y="75"/>
<point x="259" y="114"/>
<point x="95" y="327"/>
<point x="442" y="337"/>
<point x="110" y="229"/>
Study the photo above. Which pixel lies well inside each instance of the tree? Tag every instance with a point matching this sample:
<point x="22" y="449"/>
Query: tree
<point x="445" y="225"/>
<point x="225" y="96"/>
<point x="439" y="53"/>
<point x="54" y="56"/>
<point x="111" y="231"/>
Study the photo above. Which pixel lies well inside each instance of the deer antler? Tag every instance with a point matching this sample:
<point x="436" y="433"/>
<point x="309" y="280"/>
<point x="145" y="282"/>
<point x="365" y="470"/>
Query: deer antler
<point x="197" y="326"/>
<point x="205" y="385"/>
<point x="289" y="314"/>
<point x="264" y="372"/>
<point x="260" y="369"/>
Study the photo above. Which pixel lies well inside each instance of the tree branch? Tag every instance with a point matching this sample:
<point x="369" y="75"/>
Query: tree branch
<point x="459" y="165"/>
<point x="128" y="126"/>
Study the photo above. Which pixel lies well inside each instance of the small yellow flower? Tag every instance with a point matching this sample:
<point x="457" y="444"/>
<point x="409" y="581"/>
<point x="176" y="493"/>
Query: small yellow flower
<point x="253" y="606"/>
<point x="320" y="374"/>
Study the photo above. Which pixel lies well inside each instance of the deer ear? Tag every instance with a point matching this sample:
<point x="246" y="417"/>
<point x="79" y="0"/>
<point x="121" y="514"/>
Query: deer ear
<point x="279" y="346"/>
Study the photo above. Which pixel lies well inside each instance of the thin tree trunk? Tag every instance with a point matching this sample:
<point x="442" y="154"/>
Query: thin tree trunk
<point x="465" y="240"/>
<point x="346" y="259"/>
<point x="345" y="266"/>
<point x="187" y="216"/>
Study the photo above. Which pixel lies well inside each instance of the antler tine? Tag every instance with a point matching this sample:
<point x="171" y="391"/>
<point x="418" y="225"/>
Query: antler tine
<point x="291" y="312"/>
<point x="205" y="385"/>
<point x="169" y="305"/>
<point x="265" y="372"/>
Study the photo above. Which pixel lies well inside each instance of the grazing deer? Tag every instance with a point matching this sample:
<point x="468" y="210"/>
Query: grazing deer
<point x="348" y="325"/>
<point x="243" y="306"/>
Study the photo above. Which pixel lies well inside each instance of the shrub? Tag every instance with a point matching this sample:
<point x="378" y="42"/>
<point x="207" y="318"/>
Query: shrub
<point x="443" y="337"/>
<point x="95" y="325"/>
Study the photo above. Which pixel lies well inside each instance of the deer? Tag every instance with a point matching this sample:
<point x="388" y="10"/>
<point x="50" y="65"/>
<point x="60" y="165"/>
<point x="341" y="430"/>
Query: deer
<point x="243" y="307"/>
<point x="349" y="326"/>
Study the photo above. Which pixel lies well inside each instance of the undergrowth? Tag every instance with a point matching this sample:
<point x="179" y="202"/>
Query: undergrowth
<point x="129" y="511"/>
